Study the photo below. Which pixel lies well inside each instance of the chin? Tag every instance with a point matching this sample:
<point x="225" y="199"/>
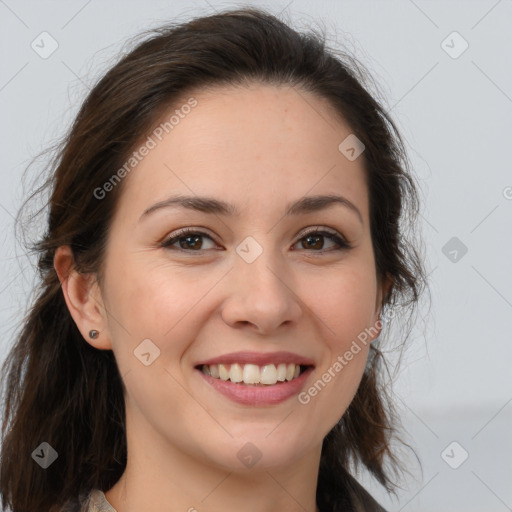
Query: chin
<point x="257" y="452"/>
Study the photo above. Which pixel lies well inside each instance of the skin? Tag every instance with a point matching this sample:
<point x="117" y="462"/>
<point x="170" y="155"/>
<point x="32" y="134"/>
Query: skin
<point x="258" y="147"/>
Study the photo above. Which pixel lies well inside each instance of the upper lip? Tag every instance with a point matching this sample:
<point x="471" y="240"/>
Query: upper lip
<point x="259" y="358"/>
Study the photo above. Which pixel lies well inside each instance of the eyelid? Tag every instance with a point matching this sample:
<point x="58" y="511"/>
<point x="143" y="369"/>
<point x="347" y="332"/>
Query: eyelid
<point x="204" y="231"/>
<point x="186" y="231"/>
<point x="311" y="230"/>
<point x="332" y="234"/>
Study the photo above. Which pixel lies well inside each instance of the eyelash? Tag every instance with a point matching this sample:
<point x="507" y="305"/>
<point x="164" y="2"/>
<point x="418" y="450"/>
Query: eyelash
<point x="340" y="241"/>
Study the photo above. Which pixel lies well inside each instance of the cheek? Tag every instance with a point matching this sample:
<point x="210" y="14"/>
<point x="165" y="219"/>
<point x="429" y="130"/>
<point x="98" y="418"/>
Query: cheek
<point x="346" y="312"/>
<point x="346" y="303"/>
<point x="157" y="302"/>
<point x="146" y="297"/>
<point x="346" y="309"/>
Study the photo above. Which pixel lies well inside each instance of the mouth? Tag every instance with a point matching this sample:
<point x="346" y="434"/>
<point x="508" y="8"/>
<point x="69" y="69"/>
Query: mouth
<point x="254" y="375"/>
<point x="258" y="387"/>
<point x="256" y="378"/>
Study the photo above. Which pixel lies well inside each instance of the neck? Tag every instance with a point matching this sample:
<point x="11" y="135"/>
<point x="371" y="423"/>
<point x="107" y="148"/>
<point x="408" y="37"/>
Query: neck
<point x="160" y="477"/>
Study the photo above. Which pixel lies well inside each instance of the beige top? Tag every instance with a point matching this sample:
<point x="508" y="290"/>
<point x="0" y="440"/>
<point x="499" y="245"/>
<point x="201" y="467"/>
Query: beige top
<point x="97" y="502"/>
<point x="361" y="500"/>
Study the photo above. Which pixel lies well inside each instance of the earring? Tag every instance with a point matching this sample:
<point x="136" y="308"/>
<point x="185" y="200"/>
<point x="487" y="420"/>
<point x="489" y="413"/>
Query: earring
<point x="93" y="334"/>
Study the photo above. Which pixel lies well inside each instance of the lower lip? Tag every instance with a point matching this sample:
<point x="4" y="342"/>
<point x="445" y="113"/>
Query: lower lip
<point x="247" y="394"/>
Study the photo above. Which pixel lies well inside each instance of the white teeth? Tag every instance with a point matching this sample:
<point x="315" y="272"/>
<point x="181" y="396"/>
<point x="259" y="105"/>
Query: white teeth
<point x="253" y="374"/>
<point x="214" y="370"/>
<point x="281" y="372"/>
<point x="235" y="373"/>
<point x="223" y="373"/>
<point x="268" y="374"/>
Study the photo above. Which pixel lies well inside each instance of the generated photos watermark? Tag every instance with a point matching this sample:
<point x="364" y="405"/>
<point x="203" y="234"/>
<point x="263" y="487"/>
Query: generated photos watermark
<point x="369" y="333"/>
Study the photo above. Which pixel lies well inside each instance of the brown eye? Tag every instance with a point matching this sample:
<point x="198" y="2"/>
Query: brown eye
<point x="315" y="240"/>
<point x="188" y="240"/>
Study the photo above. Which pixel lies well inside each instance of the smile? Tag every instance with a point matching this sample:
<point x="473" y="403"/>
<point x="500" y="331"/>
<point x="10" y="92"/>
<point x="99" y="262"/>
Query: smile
<point x="256" y="394"/>
<point x="266" y="375"/>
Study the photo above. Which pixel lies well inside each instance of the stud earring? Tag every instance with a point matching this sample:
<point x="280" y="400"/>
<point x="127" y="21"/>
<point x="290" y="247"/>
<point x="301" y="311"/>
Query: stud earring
<point x="93" y="334"/>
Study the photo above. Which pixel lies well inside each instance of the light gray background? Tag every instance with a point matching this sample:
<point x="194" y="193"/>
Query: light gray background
<point x="455" y="382"/>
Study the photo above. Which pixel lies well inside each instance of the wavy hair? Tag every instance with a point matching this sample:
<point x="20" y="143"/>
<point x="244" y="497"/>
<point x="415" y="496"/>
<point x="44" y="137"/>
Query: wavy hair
<point x="58" y="388"/>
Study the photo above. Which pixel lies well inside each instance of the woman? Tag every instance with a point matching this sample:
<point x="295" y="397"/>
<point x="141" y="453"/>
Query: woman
<point x="225" y="230"/>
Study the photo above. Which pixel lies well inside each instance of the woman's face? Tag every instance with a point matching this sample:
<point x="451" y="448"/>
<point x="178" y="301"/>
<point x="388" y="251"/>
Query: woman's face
<point x="251" y="282"/>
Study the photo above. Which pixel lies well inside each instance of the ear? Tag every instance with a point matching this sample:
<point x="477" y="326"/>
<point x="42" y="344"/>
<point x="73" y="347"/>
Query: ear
<point x="83" y="298"/>
<point x="383" y="290"/>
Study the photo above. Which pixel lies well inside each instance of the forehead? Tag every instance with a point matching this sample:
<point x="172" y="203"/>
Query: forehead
<point x="255" y="145"/>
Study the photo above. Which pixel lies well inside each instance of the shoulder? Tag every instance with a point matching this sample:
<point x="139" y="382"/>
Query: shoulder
<point x="361" y="499"/>
<point x="93" y="501"/>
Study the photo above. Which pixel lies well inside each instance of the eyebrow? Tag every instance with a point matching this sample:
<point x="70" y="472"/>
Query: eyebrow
<point x="214" y="206"/>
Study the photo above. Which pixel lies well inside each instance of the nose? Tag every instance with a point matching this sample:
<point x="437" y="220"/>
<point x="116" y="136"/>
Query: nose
<point x="262" y="295"/>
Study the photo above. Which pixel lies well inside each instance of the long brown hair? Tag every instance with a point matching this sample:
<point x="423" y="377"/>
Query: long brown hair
<point x="61" y="390"/>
